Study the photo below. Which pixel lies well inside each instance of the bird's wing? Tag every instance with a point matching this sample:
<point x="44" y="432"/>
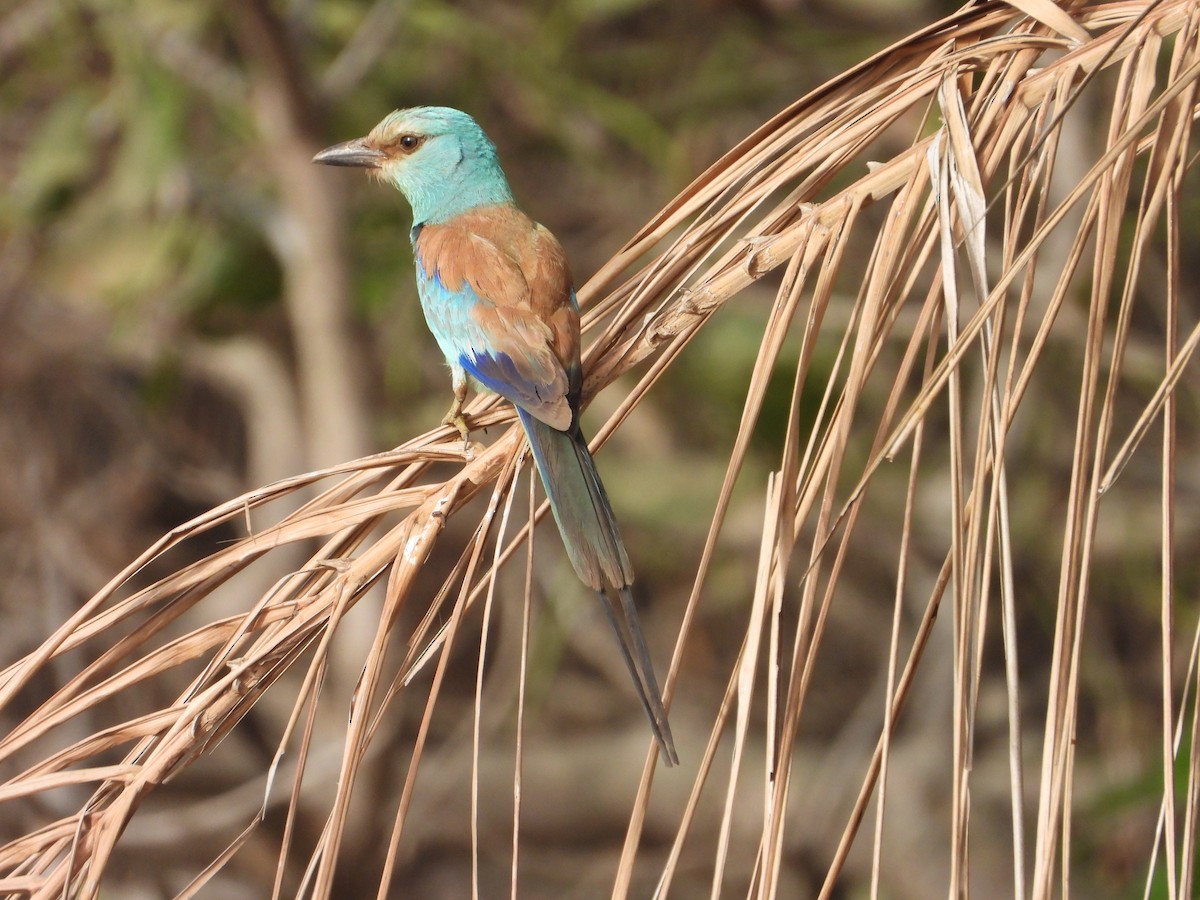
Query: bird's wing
<point x="497" y="293"/>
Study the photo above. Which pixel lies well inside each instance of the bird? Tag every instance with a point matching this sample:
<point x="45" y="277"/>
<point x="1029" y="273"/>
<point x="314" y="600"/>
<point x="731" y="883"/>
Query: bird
<point x="497" y="293"/>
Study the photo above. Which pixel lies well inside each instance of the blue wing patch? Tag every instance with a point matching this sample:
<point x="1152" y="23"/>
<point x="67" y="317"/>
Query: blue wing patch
<point x="498" y="372"/>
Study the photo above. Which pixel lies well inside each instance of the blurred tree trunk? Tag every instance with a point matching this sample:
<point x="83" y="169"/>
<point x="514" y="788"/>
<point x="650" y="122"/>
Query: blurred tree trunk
<point x="306" y="234"/>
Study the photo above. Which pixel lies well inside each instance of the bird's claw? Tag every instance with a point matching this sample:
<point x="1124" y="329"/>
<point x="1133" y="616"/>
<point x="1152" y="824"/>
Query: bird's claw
<point x="459" y="421"/>
<point x="454" y="415"/>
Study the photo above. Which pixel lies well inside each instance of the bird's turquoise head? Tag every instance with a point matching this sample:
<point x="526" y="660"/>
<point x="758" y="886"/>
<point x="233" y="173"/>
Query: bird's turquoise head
<point x="438" y="157"/>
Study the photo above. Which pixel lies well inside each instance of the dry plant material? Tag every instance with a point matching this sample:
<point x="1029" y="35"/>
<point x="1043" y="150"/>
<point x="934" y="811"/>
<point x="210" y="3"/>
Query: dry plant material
<point x="954" y="199"/>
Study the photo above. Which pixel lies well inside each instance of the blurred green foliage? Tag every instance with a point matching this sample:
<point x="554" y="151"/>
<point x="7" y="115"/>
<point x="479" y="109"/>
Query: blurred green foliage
<point x="131" y="140"/>
<point x="143" y="189"/>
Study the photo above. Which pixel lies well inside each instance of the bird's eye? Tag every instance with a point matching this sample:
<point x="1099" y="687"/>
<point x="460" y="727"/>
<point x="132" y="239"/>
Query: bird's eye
<point x="410" y="142"/>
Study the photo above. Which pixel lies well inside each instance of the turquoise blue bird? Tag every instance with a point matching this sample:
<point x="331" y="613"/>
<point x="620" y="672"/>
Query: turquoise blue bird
<point x="497" y="294"/>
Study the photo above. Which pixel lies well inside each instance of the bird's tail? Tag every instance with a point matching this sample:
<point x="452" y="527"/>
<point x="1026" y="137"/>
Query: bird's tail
<point x="589" y="533"/>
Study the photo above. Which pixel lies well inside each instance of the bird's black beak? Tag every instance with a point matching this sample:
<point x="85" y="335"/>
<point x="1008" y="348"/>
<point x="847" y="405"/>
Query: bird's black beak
<point x="351" y="153"/>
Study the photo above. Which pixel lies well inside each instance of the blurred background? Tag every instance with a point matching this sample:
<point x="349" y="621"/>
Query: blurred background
<point x="189" y="308"/>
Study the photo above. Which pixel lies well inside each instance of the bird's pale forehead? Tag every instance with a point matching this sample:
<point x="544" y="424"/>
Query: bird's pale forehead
<point x="428" y="120"/>
<point x="395" y="124"/>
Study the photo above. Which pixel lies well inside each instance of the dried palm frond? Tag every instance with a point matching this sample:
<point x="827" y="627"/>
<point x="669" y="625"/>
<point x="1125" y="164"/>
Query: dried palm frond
<point x="988" y="209"/>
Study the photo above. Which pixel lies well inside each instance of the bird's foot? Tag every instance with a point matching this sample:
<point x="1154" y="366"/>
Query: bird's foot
<point x="454" y="415"/>
<point x="459" y="421"/>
